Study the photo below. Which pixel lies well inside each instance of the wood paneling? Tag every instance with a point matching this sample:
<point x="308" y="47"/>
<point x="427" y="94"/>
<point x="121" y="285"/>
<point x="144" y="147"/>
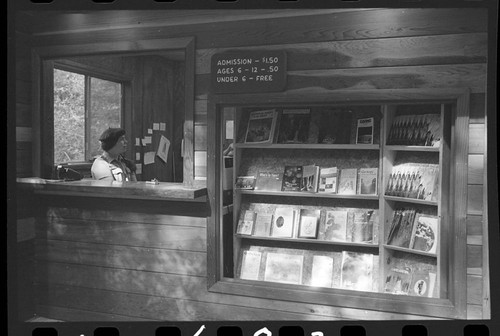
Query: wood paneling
<point x="474" y="225"/>
<point x="78" y="315"/>
<point x="474" y="289"/>
<point x="127" y="234"/>
<point x="200" y="138"/>
<point x="370" y="24"/>
<point x="180" y="287"/>
<point x="476" y="169"/>
<point x="477" y="108"/>
<point x="145" y="259"/>
<point x="475" y="200"/>
<point x="476" y="138"/>
<point x="399" y="77"/>
<point x="388" y="52"/>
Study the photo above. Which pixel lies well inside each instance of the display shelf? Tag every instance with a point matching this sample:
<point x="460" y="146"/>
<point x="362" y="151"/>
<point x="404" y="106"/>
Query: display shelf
<point x="310" y="241"/>
<point x="411" y="148"/>
<point x="410" y="200"/>
<point x="408" y="250"/>
<point x="309" y="146"/>
<point x="306" y="194"/>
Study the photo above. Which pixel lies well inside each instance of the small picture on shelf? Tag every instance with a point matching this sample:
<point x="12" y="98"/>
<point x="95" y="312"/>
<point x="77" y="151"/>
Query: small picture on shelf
<point x="261" y="125"/>
<point x="322" y="271"/>
<point x="401" y="229"/>
<point x="246" y="223"/>
<point x="398" y="280"/>
<point x="263" y="223"/>
<point x="347" y="183"/>
<point x="360" y="227"/>
<point x="415" y="130"/>
<point x="335" y="226"/>
<point x="283" y="223"/>
<point x="425" y="234"/>
<point x="423" y="283"/>
<point x="364" y="131"/>
<point x="250" y="265"/>
<point x="269" y="181"/>
<point x="412" y="180"/>
<point x="284" y="268"/>
<point x="368" y="178"/>
<point x="357" y="271"/>
<point x="294" y="126"/>
<point x="308" y="225"/>
<point x="310" y="175"/>
<point x="328" y="180"/>
<point x="409" y="276"/>
<point x="292" y="178"/>
<point x="245" y="182"/>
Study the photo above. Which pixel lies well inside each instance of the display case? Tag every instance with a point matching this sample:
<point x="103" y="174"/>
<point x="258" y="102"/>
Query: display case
<point x="347" y="201"/>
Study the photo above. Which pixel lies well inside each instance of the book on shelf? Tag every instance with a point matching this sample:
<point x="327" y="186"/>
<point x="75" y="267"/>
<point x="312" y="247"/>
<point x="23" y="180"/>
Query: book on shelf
<point x="364" y="131"/>
<point x="411" y="276"/>
<point x="328" y="180"/>
<point x="250" y="265"/>
<point x="347" y="182"/>
<point x="310" y="175"/>
<point x="360" y="226"/>
<point x="245" y="182"/>
<point x="263" y="222"/>
<point x="368" y="178"/>
<point x="284" y="268"/>
<point x="401" y="229"/>
<point x="337" y="269"/>
<point x="322" y="271"/>
<point x="309" y="222"/>
<point x="261" y="126"/>
<point x="246" y="223"/>
<point x="268" y="181"/>
<point x="414" y="180"/>
<point x="283" y="222"/>
<point x="415" y="130"/>
<point x="398" y="280"/>
<point x="425" y="234"/>
<point x="294" y="126"/>
<point x="357" y="271"/>
<point x="335" y="226"/>
<point x="292" y="178"/>
<point x="423" y="283"/>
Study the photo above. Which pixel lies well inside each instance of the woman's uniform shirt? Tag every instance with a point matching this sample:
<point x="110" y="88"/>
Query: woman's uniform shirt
<point x="108" y="169"/>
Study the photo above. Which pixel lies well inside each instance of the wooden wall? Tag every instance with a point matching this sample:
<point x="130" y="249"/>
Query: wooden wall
<point x="359" y="50"/>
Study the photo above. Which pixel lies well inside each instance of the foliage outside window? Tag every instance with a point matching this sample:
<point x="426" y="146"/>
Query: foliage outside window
<point x="84" y="106"/>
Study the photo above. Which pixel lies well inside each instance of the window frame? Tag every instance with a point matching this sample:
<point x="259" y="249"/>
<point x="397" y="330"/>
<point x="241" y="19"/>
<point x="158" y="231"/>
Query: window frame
<point x="43" y="58"/>
<point x="454" y="306"/>
<point x="90" y="72"/>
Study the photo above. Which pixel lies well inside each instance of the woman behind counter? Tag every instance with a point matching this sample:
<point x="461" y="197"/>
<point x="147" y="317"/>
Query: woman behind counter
<point x="111" y="165"/>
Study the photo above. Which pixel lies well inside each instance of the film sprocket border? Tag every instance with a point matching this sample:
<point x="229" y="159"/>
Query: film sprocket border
<point x="388" y="327"/>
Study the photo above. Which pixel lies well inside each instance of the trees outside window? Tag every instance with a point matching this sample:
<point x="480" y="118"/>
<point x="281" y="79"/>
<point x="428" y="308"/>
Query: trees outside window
<point x="84" y="106"/>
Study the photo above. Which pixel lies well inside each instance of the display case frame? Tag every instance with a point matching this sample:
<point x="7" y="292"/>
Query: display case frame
<point x="454" y="267"/>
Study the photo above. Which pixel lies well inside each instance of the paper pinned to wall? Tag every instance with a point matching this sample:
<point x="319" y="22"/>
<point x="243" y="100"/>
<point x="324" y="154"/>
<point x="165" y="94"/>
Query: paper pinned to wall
<point x="138" y="168"/>
<point x="150" y="131"/>
<point x="137" y="156"/>
<point x="156" y="127"/>
<point x="163" y="148"/>
<point x="149" y="158"/>
<point x="147" y="140"/>
<point x="137" y="141"/>
<point x="163" y="126"/>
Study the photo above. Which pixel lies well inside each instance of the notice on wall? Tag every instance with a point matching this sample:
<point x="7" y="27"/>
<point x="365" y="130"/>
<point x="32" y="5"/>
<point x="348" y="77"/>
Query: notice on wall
<point x="163" y="147"/>
<point x="248" y="71"/>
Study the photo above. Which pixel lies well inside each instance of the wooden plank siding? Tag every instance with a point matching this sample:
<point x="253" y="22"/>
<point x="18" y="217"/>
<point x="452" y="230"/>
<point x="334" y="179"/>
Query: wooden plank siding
<point x="140" y="264"/>
<point x="475" y="210"/>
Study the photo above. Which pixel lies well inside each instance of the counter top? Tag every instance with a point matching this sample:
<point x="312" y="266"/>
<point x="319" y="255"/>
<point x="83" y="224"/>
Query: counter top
<point x="113" y="189"/>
